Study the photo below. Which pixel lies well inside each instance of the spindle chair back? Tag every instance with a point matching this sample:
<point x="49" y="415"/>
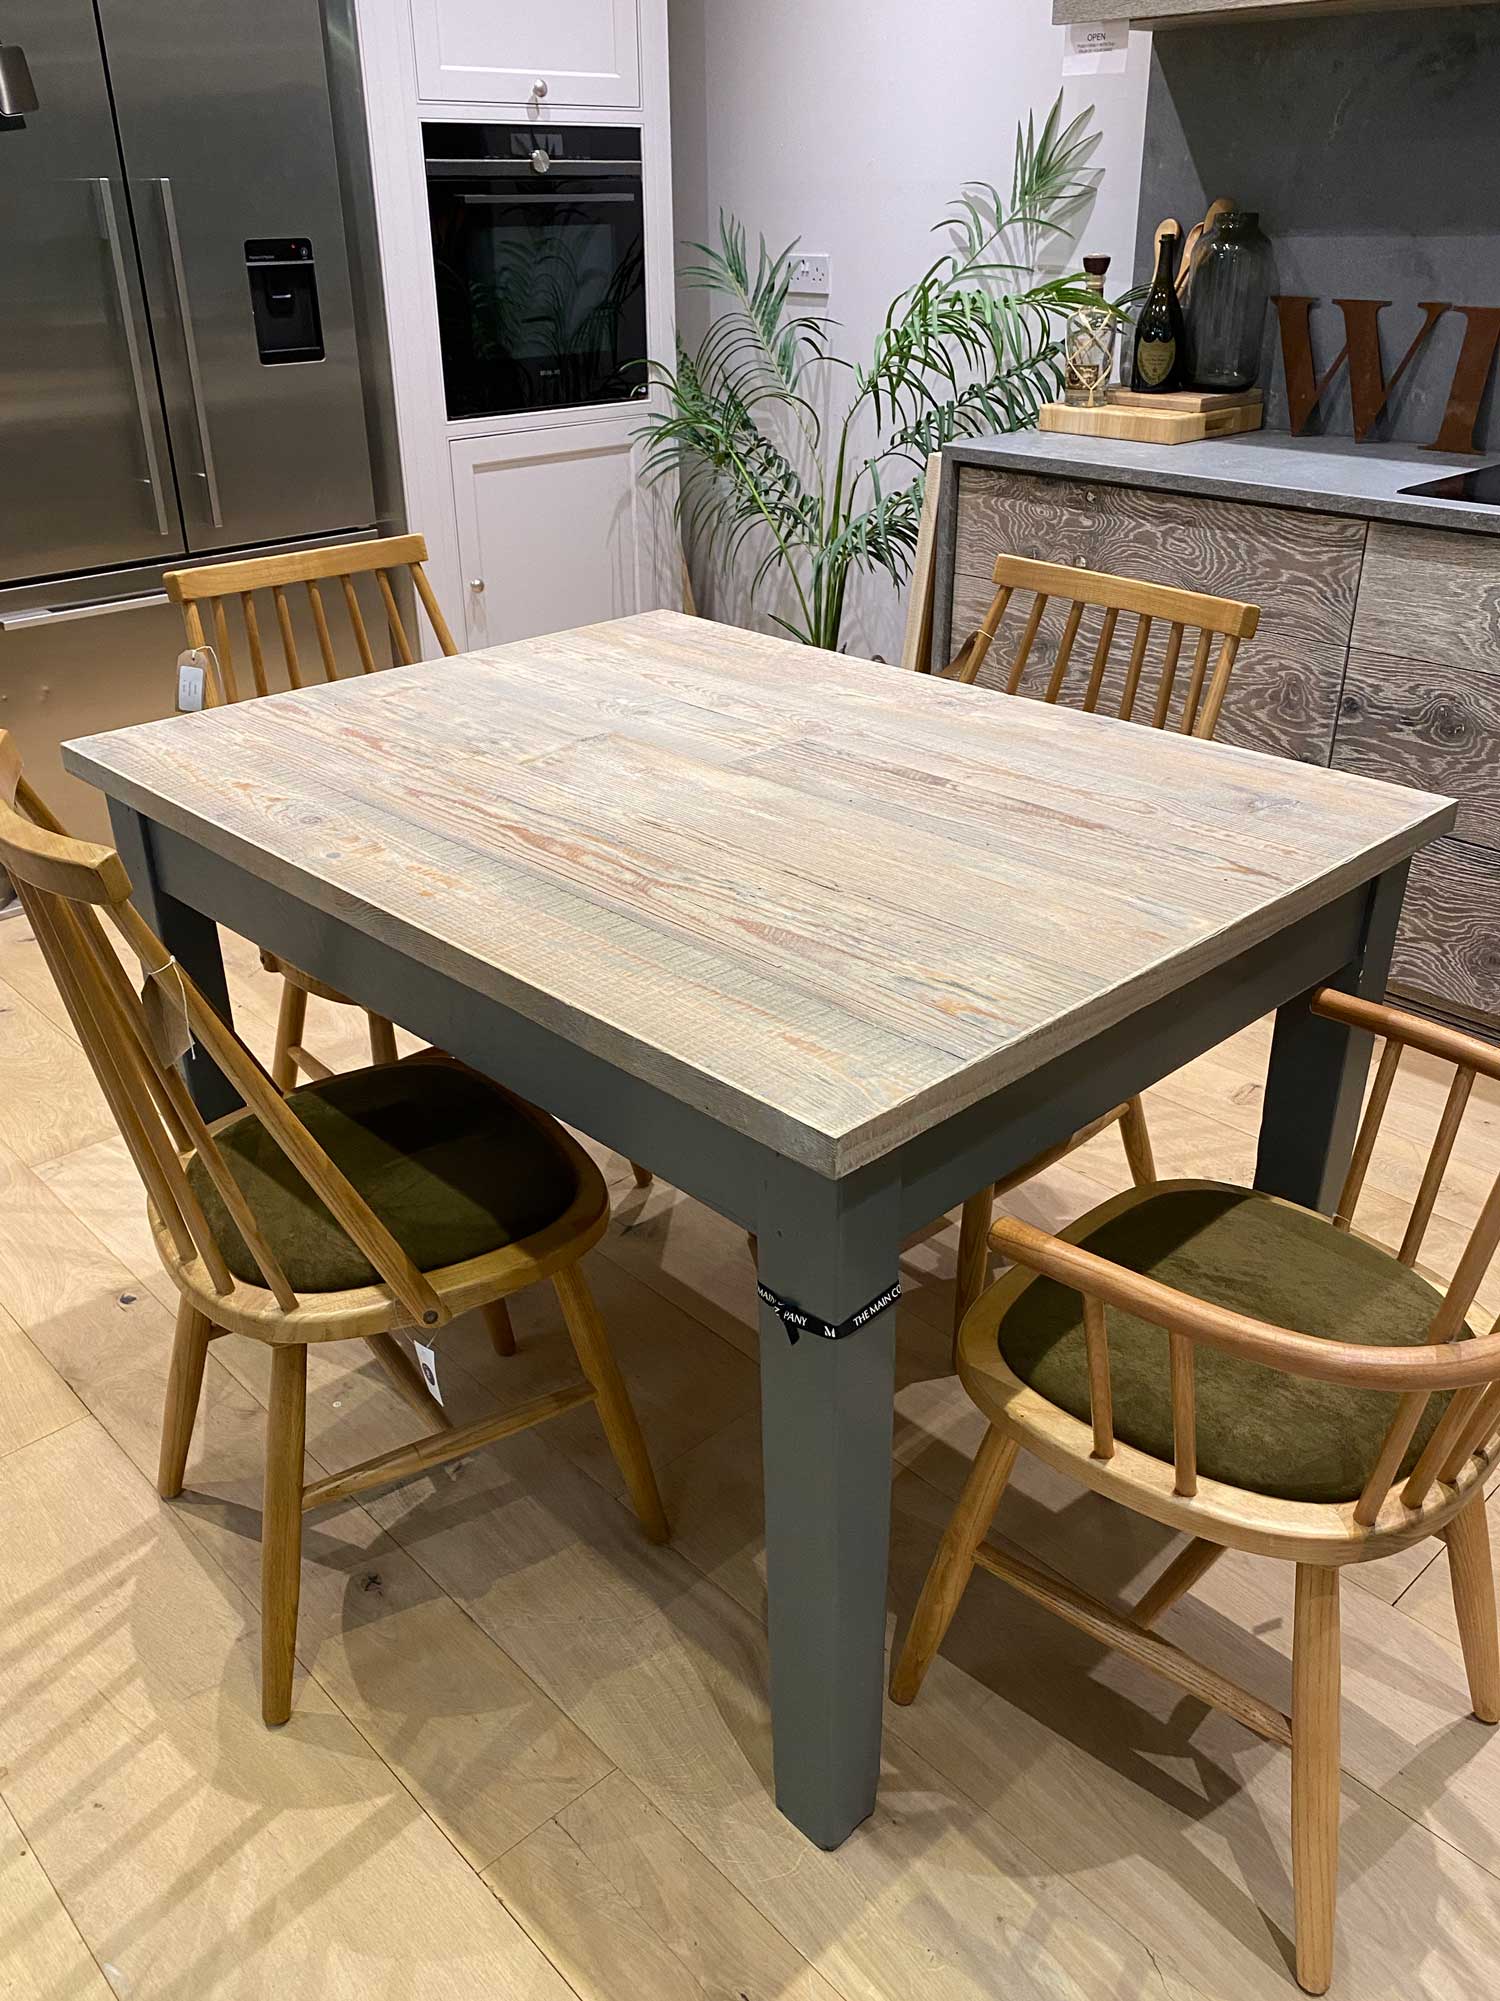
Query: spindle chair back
<point x="1187" y="698"/>
<point x="70" y="890"/>
<point x="206" y="592"/>
<point x="1424" y="1474"/>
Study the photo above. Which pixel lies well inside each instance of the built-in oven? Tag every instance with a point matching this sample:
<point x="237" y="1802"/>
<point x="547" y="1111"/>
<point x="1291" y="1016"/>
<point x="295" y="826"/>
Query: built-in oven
<point x="539" y="255"/>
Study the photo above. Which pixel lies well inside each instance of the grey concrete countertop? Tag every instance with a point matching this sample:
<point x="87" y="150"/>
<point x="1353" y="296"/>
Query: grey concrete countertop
<point x="1325" y="475"/>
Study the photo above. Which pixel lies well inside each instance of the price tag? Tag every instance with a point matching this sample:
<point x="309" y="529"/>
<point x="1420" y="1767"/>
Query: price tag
<point x="193" y="669"/>
<point x="427" y="1363"/>
<point x="1096" y="48"/>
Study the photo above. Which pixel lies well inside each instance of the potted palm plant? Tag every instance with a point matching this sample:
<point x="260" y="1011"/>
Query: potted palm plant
<point x="798" y="501"/>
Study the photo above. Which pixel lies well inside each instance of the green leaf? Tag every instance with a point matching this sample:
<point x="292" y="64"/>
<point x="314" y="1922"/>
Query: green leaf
<point x="972" y="345"/>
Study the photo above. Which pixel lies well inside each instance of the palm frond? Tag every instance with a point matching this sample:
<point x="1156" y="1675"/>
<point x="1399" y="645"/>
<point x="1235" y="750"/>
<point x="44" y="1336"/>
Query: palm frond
<point x="971" y="345"/>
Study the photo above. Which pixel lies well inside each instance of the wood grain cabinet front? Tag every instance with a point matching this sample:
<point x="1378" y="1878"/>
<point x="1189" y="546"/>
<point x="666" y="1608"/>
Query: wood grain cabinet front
<point x="1448" y="948"/>
<point x="1421" y="707"/>
<point x="1421" y="700"/>
<point x="1302" y="569"/>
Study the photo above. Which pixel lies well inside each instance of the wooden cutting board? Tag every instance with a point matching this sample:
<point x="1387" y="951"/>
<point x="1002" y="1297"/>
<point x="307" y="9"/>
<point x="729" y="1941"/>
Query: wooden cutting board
<point x="1182" y="399"/>
<point x="1158" y="424"/>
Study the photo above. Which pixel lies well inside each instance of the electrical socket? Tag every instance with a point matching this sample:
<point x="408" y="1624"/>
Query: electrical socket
<point x="810" y="274"/>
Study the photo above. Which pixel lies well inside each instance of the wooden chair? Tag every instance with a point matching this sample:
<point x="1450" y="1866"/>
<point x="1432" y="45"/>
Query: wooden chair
<point x="1189" y="704"/>
<point x="209" y="590"/>
<point x="308" y="1218"/>
<point x="1311" y="1398"/>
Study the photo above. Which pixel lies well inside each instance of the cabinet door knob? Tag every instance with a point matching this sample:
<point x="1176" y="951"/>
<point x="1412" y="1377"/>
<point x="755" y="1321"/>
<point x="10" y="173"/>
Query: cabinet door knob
<point x="476" y="584"/>
<point x="539" y="88"/>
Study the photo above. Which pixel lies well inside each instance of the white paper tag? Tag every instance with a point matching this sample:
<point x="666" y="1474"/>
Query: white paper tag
<point x="164" y="1000"/>
<point x="427" y="1363"/>
<point x="1096" y="48"/>
<point x="192" y="679"/>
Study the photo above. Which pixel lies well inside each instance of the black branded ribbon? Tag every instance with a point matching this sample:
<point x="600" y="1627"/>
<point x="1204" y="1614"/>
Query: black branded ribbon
<point x="796" y="1320"/>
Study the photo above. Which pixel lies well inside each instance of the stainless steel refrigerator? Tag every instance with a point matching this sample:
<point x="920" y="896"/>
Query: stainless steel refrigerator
<point x="179" y="369"/>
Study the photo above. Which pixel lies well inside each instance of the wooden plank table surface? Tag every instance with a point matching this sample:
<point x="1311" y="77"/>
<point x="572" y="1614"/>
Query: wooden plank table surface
<point x="827" y="944"/>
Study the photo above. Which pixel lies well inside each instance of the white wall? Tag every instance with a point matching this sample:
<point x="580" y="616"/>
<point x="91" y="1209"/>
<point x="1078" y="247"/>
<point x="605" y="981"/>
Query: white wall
<point x="852" y="124"/>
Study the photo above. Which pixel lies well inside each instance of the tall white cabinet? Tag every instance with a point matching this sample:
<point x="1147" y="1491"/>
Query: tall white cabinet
<point x="536" y="520"/>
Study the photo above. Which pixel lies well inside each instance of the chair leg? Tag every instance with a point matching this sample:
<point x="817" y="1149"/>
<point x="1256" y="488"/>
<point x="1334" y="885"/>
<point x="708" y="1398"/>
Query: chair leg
<point x="1315" y="1770"/>
<point x="643" y="1175"/>
<point x="1179" y="1577"/>
<point x="1468" y="1540"/>
<point x="291" y="1020"/>
<point x="973" y="1255"/>
<point x="1138" y="1154"/>
<point x="496" y="1317"/>
<point x="382" y="1040"/>
<point x="616" y="1413"/>
<point x="949" y="1575"/>
<point x="281" y="1530"/>
<point x="184" y="1387"/>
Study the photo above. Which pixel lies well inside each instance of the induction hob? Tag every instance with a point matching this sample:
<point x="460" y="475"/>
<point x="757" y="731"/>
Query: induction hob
<point x="1481" y="487"/>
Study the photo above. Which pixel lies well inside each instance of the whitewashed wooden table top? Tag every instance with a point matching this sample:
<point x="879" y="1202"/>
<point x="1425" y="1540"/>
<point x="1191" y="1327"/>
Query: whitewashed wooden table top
<point x="826" y="900"/>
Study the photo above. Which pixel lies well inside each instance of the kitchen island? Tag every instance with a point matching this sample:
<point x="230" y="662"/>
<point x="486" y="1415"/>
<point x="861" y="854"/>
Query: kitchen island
<point x="1379" y="645"/>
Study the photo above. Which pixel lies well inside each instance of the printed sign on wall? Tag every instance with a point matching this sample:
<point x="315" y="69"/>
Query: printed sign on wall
<point x="1096" y="48"/>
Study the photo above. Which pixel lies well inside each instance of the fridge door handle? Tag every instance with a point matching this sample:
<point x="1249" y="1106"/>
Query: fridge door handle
<point x="195" y="374"/>
<point x="106" y="199"/>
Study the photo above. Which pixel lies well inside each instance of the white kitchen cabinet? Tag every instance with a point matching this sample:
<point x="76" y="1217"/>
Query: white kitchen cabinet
<point x="581" y="52"/>
<point x="556" y="530"/>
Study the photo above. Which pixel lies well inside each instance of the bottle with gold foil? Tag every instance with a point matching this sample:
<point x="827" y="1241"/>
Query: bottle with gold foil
<point x="1089" y="343"/>
<point x="1159" y="355"/>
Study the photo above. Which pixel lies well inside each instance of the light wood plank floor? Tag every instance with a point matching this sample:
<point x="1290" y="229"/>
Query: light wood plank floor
<point x="530" y="1754"/>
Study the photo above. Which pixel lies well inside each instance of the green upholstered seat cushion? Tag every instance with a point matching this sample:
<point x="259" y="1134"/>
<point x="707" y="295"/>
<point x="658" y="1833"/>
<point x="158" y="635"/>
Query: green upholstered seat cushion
<point x="449" y="1165"/>
<point x="1257" y="1428"/>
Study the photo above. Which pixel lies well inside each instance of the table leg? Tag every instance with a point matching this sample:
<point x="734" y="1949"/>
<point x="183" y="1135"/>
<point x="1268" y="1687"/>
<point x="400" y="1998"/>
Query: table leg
<point x="193" y="940"/>
<point x="1315" y="1083"/>
<point x="826" y="1412"/>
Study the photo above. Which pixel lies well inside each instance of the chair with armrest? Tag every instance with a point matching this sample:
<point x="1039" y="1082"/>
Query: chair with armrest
<point x="1144" y="686"/>
<point x="382" y="1199"/>
<point x="1259" y="1377"/>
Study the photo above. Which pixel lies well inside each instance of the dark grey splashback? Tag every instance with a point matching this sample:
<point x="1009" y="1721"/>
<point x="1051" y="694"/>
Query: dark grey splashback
<point x="1370" y="144"/>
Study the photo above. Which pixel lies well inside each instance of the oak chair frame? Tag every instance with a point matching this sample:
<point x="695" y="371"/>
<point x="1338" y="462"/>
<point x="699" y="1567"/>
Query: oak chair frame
<point x="1227" y="620"/>
<point x="208" y="589"/>
<point x="1442" y="1495"/>
<point x="66" y="887"/>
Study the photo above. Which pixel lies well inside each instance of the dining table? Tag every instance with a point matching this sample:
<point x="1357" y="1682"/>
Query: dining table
<point x="824" y="944"/>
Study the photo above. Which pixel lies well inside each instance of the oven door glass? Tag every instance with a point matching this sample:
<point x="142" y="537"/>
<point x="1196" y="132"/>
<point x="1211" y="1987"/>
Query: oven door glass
<point x="540" y="282"/>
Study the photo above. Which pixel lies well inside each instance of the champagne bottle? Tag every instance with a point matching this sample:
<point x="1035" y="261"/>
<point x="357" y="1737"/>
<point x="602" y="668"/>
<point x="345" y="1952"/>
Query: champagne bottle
<point x="1160" y="353"/>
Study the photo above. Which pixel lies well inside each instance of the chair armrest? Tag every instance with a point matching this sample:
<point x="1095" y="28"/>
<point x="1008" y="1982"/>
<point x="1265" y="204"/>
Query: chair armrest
<point x="1440" y="1366"/>
<point x="1452" y="1045"/>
